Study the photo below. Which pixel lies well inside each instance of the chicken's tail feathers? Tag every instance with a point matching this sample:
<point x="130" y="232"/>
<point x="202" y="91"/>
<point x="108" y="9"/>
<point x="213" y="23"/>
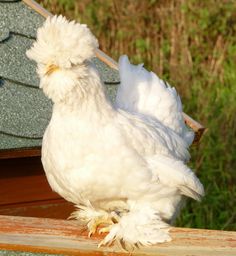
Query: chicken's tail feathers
<point x="62" y="43"/>
<point x="174" y="173"/>
<point x="144" y="92"/>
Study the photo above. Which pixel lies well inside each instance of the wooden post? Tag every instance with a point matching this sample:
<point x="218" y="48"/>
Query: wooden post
<point x="69" y="238"/>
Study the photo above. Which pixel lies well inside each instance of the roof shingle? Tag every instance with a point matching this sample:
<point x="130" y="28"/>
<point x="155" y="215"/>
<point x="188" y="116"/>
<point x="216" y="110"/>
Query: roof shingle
<point x="24" y="110"/>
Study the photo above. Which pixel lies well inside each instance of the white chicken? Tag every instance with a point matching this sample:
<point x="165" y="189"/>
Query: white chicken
<point x="122" y="165"/>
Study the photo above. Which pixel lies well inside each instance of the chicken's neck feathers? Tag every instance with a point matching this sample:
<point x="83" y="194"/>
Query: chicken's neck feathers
<point x="87" y="99"/>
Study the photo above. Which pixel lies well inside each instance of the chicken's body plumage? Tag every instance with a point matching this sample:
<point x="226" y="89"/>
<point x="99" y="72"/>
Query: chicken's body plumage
<point x="123" y="164"/>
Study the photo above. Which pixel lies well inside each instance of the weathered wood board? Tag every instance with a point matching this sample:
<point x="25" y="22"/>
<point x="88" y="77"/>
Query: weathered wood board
<point x="25" y="191"/>
<point x="69" y="238"/>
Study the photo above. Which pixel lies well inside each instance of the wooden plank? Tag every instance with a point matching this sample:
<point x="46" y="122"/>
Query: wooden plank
<point x="106" y="59"/>
<point x="18" y="153"/>
<point x="25" y="191"/>
<point x="68" y="237"/>
<point x="196" y="126"/>
<point x="38" y="8"/>
<point x="23" y="180"/>
<point x="20" y="167"/>
<point x="54" y="208"/>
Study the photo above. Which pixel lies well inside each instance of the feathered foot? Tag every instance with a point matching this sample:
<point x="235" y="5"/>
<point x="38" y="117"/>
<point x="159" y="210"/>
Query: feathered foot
<point x="138" y="228"/>
<point x="94" y="218"/>
<point x="115" y="219"/>
<point x="94" y="223"/>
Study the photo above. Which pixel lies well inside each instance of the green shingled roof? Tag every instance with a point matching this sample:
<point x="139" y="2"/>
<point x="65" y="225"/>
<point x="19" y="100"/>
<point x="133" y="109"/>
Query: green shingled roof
<point x="24" y="110"/>
<point x="18" y="253"/>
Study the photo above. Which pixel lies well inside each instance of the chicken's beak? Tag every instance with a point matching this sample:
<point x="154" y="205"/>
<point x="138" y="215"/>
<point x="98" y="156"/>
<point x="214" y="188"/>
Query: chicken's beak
<point x="50" y="68"/>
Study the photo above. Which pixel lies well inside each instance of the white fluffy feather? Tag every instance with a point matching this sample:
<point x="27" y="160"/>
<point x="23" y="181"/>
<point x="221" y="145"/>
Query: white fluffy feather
<point x="62" y="43"/>
<point x="144" y="92"/>
<point x="122" y="166"/>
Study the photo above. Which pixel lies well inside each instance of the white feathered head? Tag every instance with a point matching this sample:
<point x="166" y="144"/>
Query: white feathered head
<point x="61" y="46"/>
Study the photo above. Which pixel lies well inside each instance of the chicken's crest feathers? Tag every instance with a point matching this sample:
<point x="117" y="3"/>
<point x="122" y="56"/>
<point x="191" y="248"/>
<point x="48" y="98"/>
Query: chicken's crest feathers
<point x="61" y="49"/>
<point x="63" y="43"/>
<point x="144" y="92"/>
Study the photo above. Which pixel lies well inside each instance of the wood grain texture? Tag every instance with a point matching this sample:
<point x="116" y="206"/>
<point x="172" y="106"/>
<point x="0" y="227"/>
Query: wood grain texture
<point x="38" y="8"/>
<point x="57" y="209"/>
<point x="23" y="180"/>
<point x="68" y="237"/>
<point x="197" y="127"/>
<point x="25" y="191"/>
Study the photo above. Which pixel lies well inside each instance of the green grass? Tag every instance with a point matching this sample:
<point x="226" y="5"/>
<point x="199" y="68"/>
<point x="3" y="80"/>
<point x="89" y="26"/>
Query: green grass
<point x="193" y="45"/>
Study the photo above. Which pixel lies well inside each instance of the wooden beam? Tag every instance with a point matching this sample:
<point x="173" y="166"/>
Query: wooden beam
<point x="56" y="209"/>
<point x="19" y="153"/>
<point x="25" y="191"/>
<point x="197" y="127"/>
<point x="68" y="237"/>
<point x="38" y="8"/>
<point x="106" y="59"/>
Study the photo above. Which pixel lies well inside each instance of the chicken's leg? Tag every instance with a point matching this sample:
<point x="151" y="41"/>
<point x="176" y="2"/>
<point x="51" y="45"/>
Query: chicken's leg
<point x="94" y="218"/>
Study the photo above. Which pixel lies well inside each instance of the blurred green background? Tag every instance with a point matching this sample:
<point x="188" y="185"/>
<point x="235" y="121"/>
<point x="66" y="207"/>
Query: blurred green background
<point x="192" y="44"/>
